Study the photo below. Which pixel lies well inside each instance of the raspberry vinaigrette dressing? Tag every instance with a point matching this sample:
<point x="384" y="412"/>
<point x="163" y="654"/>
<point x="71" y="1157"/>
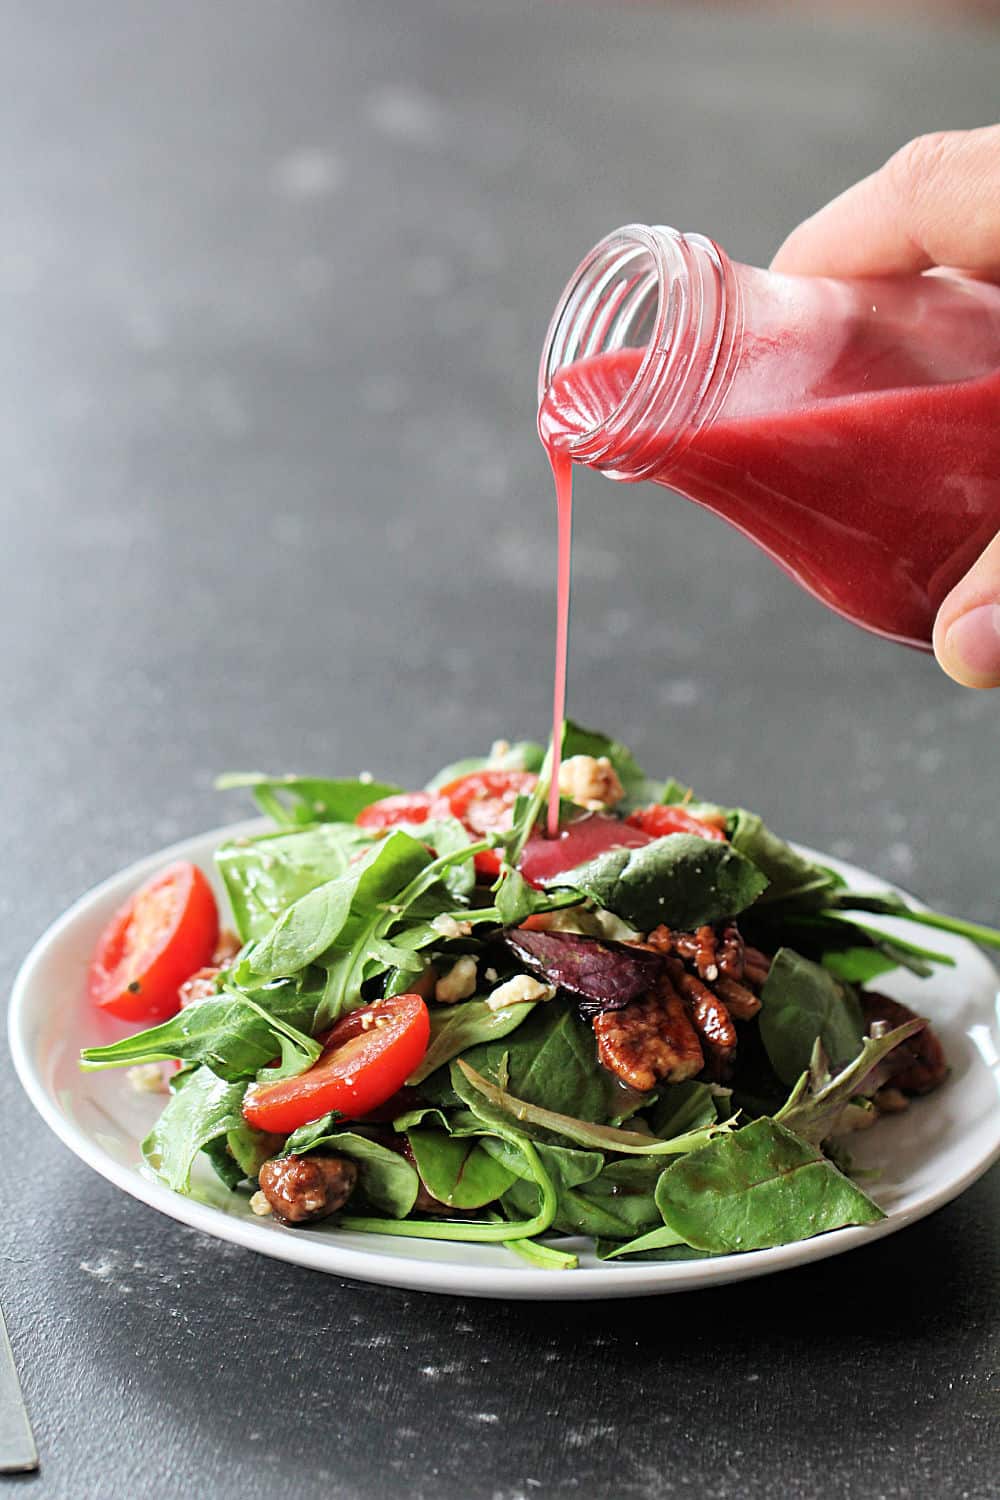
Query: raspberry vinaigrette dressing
<point x="850" y="428"/>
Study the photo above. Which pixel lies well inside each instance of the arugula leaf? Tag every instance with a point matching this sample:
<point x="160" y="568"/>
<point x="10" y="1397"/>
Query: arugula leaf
<point x="266" y="874"/>
<point x="494" y="1105"/>
<point x="516" y="900"/>
<point x="801" y="1001"/>
<point x="682" y="1107"/>
<point x="816" y="1102"/>
<point x="235" y="1035"/>
<point x="758" y="1187"/>
<point x="465" y="1025"/>
<point x="457" y="1170"/>
<point x="385" y="1177"/>
<point x="895" y="905"/>
<point x="682" y="880"/>
<point x="204" y="1108"/>
<point x="312" y="799"/>
<point x="791" y="877"/>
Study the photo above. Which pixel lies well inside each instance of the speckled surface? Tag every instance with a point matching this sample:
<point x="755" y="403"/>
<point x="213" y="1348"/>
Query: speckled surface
<point x="273" y="280"/>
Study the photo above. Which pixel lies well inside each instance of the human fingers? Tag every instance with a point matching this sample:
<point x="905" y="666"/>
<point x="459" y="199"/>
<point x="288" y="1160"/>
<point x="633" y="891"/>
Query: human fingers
<point x="967" y="630"/>
<point x="936" y="202"/>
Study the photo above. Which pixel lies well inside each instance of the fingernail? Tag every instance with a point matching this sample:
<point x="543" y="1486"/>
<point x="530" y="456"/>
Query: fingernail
<point x="972" y="643"/>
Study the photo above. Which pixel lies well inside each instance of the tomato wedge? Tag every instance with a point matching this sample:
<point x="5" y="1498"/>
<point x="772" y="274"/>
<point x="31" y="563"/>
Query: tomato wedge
<point x="483" y="801"/>
<point x="165" y="932"/>
<point x="367" y="1058"/>
<point x="402" y="807"/>
<point x="661" y="819"/>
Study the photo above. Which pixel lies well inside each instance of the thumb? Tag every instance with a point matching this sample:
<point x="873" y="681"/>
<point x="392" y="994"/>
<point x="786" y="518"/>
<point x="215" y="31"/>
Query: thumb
<point x="967" y="629"/>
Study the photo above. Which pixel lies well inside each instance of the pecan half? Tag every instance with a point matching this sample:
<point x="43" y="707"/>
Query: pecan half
<point x="650" y="1040"/>
<point x="300" y="1188"/>
<point x="710" y="1018"/>
<point x="919" y="1065"/>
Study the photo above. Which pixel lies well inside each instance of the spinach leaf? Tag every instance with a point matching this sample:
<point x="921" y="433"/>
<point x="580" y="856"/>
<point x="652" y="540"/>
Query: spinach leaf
<point x="614" y="1202"/>
<point x="204" y="1108"/>
<point x="266" y="874"/>
<point x="465" y="1025"/>
<point x="385" y="1177"/>
<point x="458" y="1170"/>
<point x="234" y="1035"/>
<point x="658" y="1244"/>
<point x="758" y="1187"/>
<point x="682" y="880"/>
<point x="791" y="877"/>
<point x="311" y="799"/>
<point x="305" y="930"/>
<point x="224" y="1164"/>
<point x="250" y="1149"/>
<point x="495" y="1106"/>
<point x="801" y="1001"/>
<point x="552" y="1060"/>
<point x="492" y="1232"/>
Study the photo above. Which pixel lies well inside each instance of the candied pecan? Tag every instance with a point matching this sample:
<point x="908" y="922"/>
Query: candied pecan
<point x="661" y="939"/>
<point x="650" y="1040"/>
<point x="300" y="1188"/>
<point x="731" y="952"/>
<point x="710" y="1018"/>
<point x="739" y="1001"/>
<point x="756" y="965"/>
<point x="918" y="1065"/>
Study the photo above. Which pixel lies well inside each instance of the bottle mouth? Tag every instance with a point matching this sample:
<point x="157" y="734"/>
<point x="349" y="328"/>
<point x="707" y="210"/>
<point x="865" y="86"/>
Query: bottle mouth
<point x="654" y="290"/>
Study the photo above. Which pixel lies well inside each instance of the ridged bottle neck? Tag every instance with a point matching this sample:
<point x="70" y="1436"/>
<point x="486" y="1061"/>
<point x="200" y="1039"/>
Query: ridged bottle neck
<point x="675" y="298"/>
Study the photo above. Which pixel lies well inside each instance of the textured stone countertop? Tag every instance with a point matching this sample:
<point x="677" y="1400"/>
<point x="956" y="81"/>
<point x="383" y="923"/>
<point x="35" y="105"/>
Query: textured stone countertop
<point x="273" y="282"/>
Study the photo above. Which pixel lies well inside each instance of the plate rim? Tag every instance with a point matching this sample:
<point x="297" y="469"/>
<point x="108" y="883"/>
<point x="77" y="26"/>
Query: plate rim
<point x="334" y="1257"/>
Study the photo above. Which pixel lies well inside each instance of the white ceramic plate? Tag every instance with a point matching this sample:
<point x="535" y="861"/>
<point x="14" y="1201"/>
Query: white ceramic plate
<point x="925" y="1157"/>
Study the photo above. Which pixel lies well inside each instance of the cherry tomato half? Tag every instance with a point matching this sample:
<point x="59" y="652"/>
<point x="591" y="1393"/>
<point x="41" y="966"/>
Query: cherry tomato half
<point x="661" y="819"/>
<point x="402" y="807"/>
<point x="368" y="1056"/>
<point x="165" y="932"/>
<point x="484" y="802"/>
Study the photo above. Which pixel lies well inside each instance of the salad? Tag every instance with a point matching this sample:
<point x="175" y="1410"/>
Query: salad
<point x="656" y="1029"/>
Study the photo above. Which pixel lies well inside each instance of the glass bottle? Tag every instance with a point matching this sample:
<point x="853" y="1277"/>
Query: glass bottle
<point x="851" y="428"/>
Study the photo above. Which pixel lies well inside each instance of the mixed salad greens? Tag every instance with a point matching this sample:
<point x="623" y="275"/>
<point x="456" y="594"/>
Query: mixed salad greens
<point x="653" y="1030"/>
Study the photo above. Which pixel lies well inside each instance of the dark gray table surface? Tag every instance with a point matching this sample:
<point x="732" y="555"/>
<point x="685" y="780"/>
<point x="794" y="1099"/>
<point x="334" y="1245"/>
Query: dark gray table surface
<point x="273" y="281"/>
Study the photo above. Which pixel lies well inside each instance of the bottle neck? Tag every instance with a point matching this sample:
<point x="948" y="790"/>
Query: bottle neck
<point x="675" y="298"/>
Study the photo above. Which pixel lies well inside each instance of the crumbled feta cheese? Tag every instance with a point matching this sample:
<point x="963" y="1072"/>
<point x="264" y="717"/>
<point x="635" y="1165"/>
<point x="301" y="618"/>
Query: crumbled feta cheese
<point x="499" y="750"/>
<point x="491" y="976"/>
<point x="147" y="1078"/>
<point x="259" y="1205"/>
<point x="459" y="982"/>
<point x="519" y="991"/>
<point x="449" y="927"/>
<point x="366" y="778"/>
<point x="589" y="782"/>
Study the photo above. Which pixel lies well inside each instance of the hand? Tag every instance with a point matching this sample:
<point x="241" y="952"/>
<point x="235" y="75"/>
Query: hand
<point x="935" y="203"/>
